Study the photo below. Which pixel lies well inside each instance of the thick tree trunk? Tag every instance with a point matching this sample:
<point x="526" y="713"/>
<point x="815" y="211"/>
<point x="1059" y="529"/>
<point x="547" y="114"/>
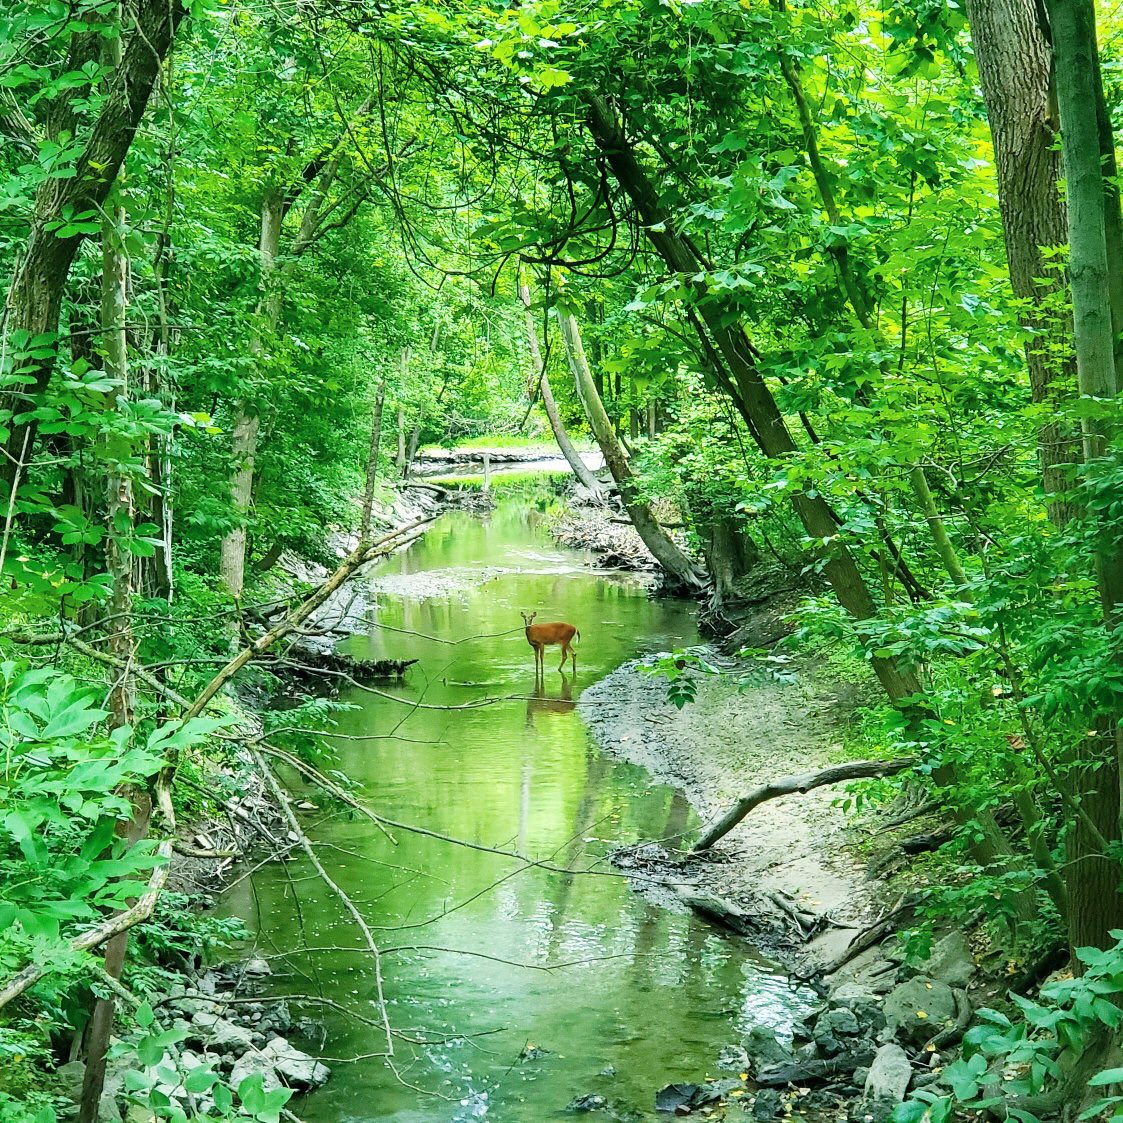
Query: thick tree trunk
<point x="673" y="561"/>
<point x="1095" y="903"/>
<point x="1014" y="63"/>
<point x="232" y="564"/>
<point x="733" y="360"/>
<point x="538" y="373"/>
<point x="35" y="298"/>
<point x="729" y="555"/>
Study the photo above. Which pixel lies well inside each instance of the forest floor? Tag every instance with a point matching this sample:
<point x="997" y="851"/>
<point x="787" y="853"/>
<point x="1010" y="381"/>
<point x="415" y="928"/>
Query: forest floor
<point x="732" y="738"/>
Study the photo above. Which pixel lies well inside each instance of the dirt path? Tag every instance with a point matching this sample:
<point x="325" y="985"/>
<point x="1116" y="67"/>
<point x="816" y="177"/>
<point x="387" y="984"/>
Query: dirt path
<point x="729" y="741"/>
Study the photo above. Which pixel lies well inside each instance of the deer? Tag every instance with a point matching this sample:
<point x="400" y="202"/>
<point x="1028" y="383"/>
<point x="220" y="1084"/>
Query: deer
<point x="541" y="636"/>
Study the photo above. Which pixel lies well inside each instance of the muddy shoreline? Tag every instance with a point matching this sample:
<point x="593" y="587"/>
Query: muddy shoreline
<point x="733" y="737"/>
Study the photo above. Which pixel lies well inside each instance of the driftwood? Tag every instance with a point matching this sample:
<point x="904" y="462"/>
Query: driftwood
<point x="875" y="933"/>
<point x="716" y="909"/>
<point x="313" y="662"/>
<point x="812" y="1072"/>
<point x="440" y="492"/>
<point x="789" y="785"/>
<point x="805" y="922"/>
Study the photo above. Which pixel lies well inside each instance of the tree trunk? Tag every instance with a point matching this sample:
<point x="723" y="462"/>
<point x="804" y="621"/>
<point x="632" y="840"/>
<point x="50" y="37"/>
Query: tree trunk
<point x="673" y="561"/>
<point x="732" y="358"/>
<point x="944" y="547"/>
<point x="538" y="371"/>
<point x="1014" y="63"/>
<point x="411" y="454"/>
<point x="35" y="298"/>
<point x="1095" y="904"/>
<point x="403" y="369"/>
<point x="232" y="564"/>
<point x="728" y="555"/>
<point x="120" y="521"/>
<point x="372" y="461"/>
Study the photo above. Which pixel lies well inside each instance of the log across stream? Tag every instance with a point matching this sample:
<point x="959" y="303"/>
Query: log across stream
<point x="514" y="995"/>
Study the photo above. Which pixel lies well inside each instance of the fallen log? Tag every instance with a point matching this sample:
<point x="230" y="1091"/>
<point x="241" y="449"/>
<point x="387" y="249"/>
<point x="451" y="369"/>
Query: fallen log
<point x="812" y="1072"/>
<point x="439" y="492"/>
<point x="311" y="662"/>
<point x="789" y="785"/>
<point x="716" y="909"/>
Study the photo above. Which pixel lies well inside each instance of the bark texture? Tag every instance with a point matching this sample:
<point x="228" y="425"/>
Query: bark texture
<point x="539" y="375"/>
<point x="35" y="298"/>
<point x="232" y="563"/>
<point x="1014" y="63"/>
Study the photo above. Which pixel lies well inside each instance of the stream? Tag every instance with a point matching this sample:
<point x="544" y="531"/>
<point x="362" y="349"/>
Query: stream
<point x="520" y="991"/>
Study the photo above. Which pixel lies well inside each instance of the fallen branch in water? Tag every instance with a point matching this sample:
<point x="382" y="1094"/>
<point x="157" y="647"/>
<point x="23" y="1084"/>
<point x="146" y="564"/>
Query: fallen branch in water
<point x="349" y="905"/>
<point x="790" y="785"/>
<point x="358" y="557"/>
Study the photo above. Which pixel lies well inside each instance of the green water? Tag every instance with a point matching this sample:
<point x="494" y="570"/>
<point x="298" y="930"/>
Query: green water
<point x="638" y="996"/>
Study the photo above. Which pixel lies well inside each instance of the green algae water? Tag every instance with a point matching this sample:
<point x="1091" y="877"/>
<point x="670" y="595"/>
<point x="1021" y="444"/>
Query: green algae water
<point x="513" y="990"/>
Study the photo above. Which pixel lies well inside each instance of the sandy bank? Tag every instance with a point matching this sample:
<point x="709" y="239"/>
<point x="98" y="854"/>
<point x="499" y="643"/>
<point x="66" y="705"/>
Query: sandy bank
<point x="732" y="739"/>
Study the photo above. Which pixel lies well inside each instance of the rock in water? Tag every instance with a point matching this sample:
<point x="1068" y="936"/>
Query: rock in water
<point x="297" y="1069"/>
<point x="919" y="1009"/>
<point x="591" y="1101"/>
<point x="886" y="1084"/>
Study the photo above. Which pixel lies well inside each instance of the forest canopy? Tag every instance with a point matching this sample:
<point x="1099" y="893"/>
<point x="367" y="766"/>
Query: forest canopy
<point x="841" y="284"/>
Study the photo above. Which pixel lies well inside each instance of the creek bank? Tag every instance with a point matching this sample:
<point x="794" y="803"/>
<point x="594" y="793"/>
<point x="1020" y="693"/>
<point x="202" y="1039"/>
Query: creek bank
<point x="214" y="1020"/>
<point x="787" y="878"/>
<point x="761" y="719"/>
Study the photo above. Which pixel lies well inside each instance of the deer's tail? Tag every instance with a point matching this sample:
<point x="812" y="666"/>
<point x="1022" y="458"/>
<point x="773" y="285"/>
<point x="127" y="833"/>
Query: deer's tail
<point x="576" y="634"/>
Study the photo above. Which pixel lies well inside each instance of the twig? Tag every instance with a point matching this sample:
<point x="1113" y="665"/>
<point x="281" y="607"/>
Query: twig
<point x="106" y="930"/>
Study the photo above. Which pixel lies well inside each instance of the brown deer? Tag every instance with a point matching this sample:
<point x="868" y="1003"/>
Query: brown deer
<point x="541" y="636"/>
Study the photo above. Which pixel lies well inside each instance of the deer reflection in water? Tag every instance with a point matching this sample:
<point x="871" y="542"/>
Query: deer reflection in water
<point x="540" y="702"/>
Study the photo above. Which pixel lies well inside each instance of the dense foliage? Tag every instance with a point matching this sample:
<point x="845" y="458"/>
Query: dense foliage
<point x="825" y="321"/>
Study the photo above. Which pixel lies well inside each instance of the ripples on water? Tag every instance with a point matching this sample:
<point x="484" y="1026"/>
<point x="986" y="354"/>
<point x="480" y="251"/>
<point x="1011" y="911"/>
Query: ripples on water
<point x="650" y="996"/>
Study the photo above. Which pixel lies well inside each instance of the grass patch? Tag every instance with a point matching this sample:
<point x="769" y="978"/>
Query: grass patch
<point x="503" y="481"/>
<point x="543" y="445"/>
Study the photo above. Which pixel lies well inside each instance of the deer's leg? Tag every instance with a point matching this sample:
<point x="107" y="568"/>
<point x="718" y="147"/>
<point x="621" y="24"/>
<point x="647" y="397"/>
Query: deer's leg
<point x="565" y="655"/>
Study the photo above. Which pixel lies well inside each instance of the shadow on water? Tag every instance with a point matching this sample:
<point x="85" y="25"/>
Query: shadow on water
<point x="517" y="990"/>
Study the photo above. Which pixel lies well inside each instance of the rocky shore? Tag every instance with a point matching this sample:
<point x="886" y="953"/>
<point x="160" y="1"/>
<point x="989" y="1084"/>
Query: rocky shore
<point x="789" y="879"/>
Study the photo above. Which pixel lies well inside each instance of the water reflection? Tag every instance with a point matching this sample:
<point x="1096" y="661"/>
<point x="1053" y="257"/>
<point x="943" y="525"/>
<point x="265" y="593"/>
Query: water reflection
<point x="516" y="988"/>
<point x="542" y="702"/>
